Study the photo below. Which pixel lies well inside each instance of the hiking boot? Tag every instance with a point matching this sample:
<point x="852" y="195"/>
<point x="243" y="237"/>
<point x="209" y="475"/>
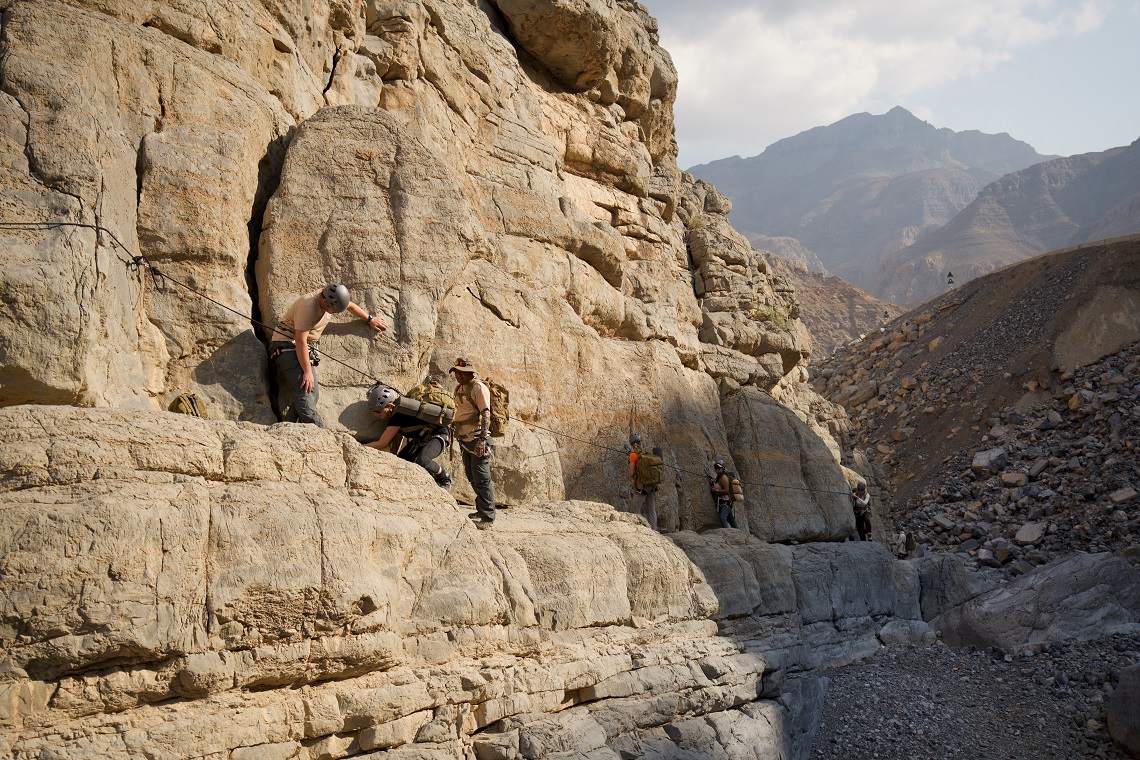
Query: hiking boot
<point x="443" y="479"/>
<point x="480" y="521"/>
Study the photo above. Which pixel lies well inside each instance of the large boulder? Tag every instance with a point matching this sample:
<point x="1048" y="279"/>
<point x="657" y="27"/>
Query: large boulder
<point x="796" y="491"/>
<point x="1123" y="716"/>
<point x="943" y="582"/>
<point x="1085" y="596"/>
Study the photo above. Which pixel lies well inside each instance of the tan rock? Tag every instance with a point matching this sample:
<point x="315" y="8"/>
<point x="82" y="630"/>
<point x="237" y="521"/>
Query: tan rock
<point x="795" y="489"/>
<point x="145" y="161"/>
<point x="324" y="564"/>
<point x="1030" y="533"/>
<point x="1014" y="479"/>
<point x="1122" y="495"/>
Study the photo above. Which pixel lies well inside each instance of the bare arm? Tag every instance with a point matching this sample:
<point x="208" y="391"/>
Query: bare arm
<point x="376" y="322"/>
<point x="720" y="486"/>
<point x="302" y="343"/>
<point x="386" y="437"/>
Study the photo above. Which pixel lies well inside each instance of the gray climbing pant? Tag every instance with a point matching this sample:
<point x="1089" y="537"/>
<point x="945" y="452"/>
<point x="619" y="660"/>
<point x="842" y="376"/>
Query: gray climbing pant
<point x="645" y="504"/>
<point x="478" y="471"/>
<point x="289" y="373"/>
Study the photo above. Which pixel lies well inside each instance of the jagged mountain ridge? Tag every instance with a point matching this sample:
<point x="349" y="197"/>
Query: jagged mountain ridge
<point x="1057" y="203"/>
<point x="863" y="187"/>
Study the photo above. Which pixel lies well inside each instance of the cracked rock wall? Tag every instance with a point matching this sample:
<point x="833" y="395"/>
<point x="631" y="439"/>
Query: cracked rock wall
<point x="183" y="588"/>
<point x="498" y="179"/>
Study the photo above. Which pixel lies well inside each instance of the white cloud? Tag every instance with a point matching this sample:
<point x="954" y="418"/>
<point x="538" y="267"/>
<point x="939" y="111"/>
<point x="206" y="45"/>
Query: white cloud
<point x="753" y="72"/>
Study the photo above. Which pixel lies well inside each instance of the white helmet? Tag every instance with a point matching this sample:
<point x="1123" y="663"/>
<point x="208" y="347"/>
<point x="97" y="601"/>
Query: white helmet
<point x="336" y="296"/>
<point x="379" y="396"/>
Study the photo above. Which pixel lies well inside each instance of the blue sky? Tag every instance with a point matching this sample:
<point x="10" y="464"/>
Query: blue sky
<point x="1062" y="75"/>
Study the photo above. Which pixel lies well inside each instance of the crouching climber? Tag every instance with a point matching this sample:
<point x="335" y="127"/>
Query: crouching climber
<point x="419" y="420"/>
<point x="292" y="346"/>
<point x="861" y="505"/>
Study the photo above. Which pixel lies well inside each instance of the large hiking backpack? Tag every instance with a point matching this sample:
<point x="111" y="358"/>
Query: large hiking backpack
<point x="427" y="403"/>
<point x="734" y="487"/>
<point x="189" y="403"/>
<point x="650" y="469"/>
<point x="432" y="396"/>
<point x="500" y="405"/>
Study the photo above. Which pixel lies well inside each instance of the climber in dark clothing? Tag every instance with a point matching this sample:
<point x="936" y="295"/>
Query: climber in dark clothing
<point x="423" y="441"/>
<point x="861" y="505"/>
<point x="721" y="487"/>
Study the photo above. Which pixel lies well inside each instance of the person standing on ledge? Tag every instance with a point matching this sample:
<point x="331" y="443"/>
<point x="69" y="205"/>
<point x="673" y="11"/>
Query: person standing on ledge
<point x="291" y="347"/>
<point x="472" y="426"/>
<point x="721" y="487"/>
<point x="644" y="498"/>
<point x="861" y="505"/>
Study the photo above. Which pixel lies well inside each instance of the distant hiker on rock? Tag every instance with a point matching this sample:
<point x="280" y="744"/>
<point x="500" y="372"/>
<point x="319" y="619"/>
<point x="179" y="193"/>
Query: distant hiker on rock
<point x="721" y="486"/>
<point x="897" y="544"/>
<point x="420" y="419"/>
<point x="292" y="346"/>
<point x="646" y="471"/>
<point x="472" y="428"/>
<point x="861" y="504"/>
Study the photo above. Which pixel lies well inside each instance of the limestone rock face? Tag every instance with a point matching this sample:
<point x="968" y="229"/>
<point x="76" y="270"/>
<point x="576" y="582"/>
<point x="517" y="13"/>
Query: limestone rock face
<point x="214" y="587"/>
<point x="813" y="605"/>
<point x="804" y="497"/>
<point x="163" y="145"/>
<point x="496" y="181"/>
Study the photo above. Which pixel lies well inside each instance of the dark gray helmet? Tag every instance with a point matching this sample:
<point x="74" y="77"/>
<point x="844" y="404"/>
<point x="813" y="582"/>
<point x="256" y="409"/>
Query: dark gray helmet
<point x="719" y="464"/>
<point x="379" y="396"/>
<point x="861" y="487"/>
<point x="634" y="438"/>
<point x="336" y="295"/>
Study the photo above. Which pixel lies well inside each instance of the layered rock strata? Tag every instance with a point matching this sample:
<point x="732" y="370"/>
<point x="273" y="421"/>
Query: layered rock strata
<point x="498" y="180"/>
<point x="176" y="587"/>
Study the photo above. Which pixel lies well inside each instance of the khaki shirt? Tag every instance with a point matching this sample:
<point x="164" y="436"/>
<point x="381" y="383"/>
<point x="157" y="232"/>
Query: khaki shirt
<point x="470" y="401"/>
<point x="305" y="314"/>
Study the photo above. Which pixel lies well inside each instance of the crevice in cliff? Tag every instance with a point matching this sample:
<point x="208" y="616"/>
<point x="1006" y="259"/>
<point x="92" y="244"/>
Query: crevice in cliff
<point x="268" y="178"/>
<point x="332" y="74"/>
<point x="206" y="566"/>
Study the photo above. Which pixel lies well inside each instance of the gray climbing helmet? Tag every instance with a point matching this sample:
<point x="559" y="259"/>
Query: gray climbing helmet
<point x="336" y="295"/>
<point x="634" y="438"/>
<point x="379" y="396"/>
<point x="719" y="464"/>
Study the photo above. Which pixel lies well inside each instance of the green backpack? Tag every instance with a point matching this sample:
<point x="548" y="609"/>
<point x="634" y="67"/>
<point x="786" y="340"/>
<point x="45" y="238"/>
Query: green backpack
<point x="430" y="405"/>
<point x="650" y="469"/>
<point x="189" y="403"/>
<point x="500" y="405"/>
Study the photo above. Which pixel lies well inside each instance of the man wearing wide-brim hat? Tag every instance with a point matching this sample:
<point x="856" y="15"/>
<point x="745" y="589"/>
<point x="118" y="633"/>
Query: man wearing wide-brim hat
<point x="472" y="426"/>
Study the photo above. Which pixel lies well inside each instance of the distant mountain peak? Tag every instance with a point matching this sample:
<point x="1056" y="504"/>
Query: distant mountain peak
<point x="864" y="187"/>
